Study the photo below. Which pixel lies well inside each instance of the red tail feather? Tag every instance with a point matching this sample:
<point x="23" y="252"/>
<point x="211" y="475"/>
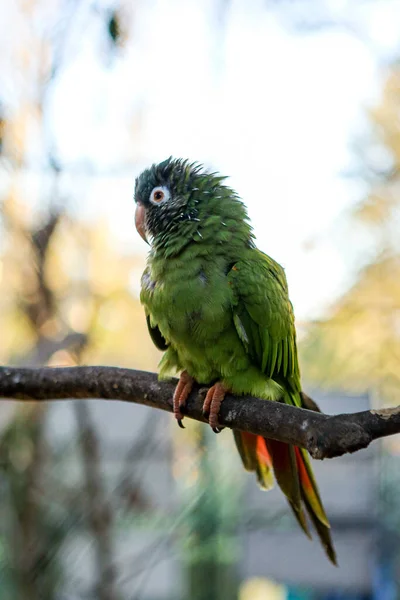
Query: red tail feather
<point x="305" y="480"/>
<point x="262" y="452"/>
<point x="294" y="476"/>
<point x="255" y="457"/>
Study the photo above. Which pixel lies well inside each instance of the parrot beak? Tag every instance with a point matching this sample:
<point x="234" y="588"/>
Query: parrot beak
<point x="140" y="215"/>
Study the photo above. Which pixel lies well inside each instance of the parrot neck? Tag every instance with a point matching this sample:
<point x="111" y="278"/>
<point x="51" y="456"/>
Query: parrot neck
<point x="216" y="221"/>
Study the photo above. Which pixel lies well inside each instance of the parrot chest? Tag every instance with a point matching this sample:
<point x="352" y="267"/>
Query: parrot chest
<point x="190" y="302"/>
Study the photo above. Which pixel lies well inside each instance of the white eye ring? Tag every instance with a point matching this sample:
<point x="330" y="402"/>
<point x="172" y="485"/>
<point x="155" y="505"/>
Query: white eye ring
<point x="159" y="195"/>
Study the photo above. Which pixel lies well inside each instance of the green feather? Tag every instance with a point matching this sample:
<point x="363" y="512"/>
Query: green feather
<point x="279" y="357"/>
<point x="241" y="330"/>
<point x="266" y="352"/>
<point x="284" y="357"/>
<point x="156" y="335"/>
<point x="272" y="358"/>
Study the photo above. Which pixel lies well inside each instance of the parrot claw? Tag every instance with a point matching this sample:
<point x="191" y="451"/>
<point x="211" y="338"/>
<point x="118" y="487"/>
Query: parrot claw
<point x="181" y="394"/>
<point x="212" y="404"/>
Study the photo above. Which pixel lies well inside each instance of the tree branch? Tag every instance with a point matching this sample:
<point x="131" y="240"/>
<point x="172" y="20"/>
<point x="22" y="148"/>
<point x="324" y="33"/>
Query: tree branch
<point x="324" y="436"/>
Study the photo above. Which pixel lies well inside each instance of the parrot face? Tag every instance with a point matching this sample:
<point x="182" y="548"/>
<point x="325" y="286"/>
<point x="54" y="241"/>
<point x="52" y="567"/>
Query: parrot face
<point x="162" y="195"/>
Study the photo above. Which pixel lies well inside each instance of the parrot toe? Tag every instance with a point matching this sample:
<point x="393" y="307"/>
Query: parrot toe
<point x="212" y="404"/>
<point x="181" y="394"/>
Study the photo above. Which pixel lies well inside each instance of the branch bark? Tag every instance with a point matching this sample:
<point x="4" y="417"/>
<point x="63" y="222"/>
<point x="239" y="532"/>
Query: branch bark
<point x="324" y="436"/>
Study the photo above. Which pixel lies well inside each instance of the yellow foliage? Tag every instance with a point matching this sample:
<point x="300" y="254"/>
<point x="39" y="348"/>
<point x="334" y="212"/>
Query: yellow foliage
<point x="358" y="346"/>
<point x="91" y="284"/>
<point x="259" y="588"/>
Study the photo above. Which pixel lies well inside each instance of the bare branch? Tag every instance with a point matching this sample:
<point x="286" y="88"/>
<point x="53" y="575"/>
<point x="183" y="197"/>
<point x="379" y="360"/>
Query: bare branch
<point x="324" y="436"/>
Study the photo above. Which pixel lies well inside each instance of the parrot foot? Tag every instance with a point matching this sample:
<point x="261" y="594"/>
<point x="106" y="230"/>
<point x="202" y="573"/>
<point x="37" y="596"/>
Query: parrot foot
<point x="212" y="404"/>
<point x="181" y="394"/>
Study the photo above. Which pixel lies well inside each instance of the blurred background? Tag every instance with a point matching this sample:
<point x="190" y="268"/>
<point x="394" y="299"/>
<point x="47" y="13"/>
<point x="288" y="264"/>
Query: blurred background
<point x="298" y="101"/>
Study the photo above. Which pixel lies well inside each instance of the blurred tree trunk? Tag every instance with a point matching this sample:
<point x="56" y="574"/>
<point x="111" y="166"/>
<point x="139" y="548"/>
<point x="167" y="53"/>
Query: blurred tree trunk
<point x="28" y="542"/>
<point x="33" y="565"/>
<point x="98" y="510"/>
<point x="212" y="572"/>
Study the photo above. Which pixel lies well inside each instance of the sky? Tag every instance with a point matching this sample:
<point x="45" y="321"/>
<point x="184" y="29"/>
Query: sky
<point x="276" y="111"/>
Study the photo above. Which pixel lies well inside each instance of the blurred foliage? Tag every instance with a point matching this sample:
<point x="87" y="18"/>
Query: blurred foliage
<point x="357" y="347"/>
<point x="68" y="295"/>
<point x="65" y="297"/>
<point x="89" y="283"/>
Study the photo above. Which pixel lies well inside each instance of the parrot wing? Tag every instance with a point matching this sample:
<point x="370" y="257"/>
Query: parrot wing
<point x="264" y="320"/>
<point x="263" y="317"/>
<point x="158" y="339"/>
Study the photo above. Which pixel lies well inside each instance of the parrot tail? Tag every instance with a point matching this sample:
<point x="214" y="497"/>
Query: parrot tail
<point x="313" y="502"/>
<point x="294" y="476"/>
<point x="255" y="457"/>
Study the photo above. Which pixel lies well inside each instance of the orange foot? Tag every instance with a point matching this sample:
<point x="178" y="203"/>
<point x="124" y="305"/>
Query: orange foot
<point x="181" y="394"/>
<point x="212" y="404"/>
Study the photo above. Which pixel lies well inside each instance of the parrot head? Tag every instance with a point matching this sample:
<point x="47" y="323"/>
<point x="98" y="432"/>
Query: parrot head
<point x="177" y="200"/>
<point x="162" y="195"/>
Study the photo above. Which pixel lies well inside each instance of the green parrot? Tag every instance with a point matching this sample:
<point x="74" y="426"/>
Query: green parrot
<point x="219" y="309"/>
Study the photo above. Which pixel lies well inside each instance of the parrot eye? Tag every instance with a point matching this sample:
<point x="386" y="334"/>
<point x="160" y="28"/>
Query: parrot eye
<point x="159" y="194"/>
